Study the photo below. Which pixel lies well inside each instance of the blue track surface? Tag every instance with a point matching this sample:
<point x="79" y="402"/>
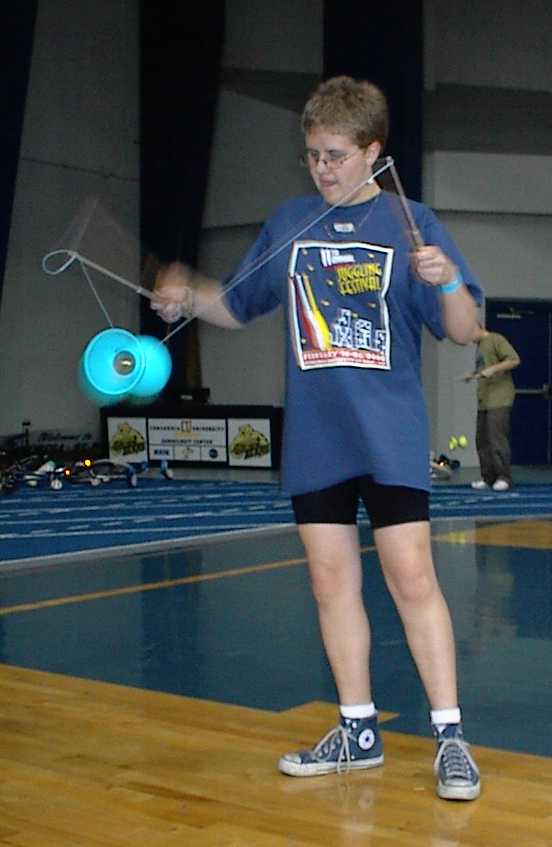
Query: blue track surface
<point x="40" y="523"/>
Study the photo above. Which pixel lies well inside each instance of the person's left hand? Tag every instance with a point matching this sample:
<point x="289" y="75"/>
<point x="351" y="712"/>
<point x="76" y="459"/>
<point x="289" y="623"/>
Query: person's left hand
<point x="433" y="266"/>
<point x="487" y="372"/>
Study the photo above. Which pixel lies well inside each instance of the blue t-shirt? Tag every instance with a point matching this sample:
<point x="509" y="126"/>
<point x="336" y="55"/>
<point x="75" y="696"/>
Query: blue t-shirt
<point x="355" y="310"/>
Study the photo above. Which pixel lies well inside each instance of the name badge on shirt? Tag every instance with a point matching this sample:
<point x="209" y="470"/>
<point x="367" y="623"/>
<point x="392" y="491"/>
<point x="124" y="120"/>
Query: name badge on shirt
<point x="344" y="228"/>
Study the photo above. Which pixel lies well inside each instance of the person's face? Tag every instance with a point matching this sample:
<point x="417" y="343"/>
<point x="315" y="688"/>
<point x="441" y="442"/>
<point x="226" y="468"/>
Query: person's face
<point x="338" y="166"/>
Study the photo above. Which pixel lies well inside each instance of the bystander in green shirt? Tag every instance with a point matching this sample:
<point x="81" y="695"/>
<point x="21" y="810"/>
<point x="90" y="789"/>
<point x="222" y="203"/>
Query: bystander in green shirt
<point x="498" y="390"/>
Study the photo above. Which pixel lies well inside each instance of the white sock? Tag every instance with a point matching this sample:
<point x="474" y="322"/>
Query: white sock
<point x="441" y="717"/>
<point x="366" y="710"/>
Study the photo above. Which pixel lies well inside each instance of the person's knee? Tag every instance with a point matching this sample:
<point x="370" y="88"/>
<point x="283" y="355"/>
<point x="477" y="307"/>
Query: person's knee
<point x="332" y="582"/>
<point x="415" y="586"/>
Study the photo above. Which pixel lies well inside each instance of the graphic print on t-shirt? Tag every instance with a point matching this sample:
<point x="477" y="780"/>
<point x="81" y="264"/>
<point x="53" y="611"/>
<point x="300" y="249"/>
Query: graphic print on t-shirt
<point x="338" y="307"/>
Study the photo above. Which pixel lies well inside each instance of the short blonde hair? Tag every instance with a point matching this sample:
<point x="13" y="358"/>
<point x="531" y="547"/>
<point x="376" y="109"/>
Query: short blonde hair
<point x="356" y="108"/>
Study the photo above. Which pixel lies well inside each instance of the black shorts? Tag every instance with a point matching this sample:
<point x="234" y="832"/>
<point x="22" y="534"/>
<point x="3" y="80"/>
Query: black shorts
<point x="387" y="505"/>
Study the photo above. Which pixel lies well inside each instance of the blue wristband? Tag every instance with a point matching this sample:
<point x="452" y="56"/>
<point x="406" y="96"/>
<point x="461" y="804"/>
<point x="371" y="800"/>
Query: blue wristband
<point x="451" y="286"/>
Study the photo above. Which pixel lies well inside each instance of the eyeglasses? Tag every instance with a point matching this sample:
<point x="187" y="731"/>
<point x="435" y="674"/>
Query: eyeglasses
<point x="333" y="159"/>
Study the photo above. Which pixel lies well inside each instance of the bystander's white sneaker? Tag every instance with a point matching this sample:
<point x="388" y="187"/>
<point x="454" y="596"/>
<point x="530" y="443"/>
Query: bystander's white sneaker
<point x="480" y="484"/>
<point x="501" y="485"/>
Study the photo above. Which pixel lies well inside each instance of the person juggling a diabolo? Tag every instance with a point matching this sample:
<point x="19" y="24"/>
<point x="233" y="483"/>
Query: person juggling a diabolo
<point x="359" y="271"/>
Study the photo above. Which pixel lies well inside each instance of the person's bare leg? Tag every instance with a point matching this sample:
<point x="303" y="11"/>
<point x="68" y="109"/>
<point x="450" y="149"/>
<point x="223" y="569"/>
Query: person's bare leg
<point x="407" y="564"/>
<point x="333" y="557"/>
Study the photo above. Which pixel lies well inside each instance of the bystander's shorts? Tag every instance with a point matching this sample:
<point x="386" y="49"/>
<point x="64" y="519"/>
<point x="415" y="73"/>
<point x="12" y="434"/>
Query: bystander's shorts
<point x="387" y="505"/>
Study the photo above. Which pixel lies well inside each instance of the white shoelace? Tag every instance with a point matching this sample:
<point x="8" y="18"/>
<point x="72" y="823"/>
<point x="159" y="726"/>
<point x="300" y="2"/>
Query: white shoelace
<point x="326" y="745"/>
<point x="456" y="760"/>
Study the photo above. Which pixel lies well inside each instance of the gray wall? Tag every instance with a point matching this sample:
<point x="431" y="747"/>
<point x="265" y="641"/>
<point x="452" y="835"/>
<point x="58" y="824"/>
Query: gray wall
<point x="488" y="134"/>
<point x="77" y="182"/>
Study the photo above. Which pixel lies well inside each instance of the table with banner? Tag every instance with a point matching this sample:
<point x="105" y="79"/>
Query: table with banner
<point x="194" y="435"/>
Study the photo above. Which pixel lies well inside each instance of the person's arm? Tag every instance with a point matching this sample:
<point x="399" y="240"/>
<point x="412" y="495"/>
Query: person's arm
<point x="180" y="291"/>
<point x="510" y="361"/>
<point x="458" y="308"/>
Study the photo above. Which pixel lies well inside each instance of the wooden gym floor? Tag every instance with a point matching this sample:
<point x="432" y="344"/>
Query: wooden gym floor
<point x="145" y="700"/>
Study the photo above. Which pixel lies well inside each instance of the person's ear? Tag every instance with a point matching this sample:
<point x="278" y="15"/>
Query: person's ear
<point x="373" y="152"/>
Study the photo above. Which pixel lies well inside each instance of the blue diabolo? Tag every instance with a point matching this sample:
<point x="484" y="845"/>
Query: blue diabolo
<point x="117" y="365"/>
<point x="158" y="366"/>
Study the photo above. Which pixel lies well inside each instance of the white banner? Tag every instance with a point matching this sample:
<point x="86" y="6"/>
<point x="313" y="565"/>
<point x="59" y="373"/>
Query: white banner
<point x="187" y="439"/>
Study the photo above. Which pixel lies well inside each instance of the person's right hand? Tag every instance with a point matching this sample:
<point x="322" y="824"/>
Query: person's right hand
<point x="173" y="294"/>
